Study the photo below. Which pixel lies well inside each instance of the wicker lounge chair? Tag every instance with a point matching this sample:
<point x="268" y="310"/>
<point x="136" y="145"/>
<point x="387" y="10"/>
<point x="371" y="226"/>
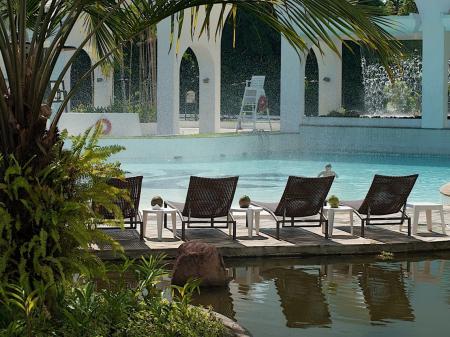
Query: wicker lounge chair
<point x="207" y="198"/>
<point x="387" y="196"/>
<point x="130" y="211"/>
<point x="303" y="197"/>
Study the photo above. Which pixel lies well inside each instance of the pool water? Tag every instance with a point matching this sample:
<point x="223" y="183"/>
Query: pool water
<point x="336" y="297"/>
<point x="264" y="177"/>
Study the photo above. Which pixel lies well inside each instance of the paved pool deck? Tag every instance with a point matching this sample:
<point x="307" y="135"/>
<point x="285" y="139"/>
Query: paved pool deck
<point x="293" y="241"/>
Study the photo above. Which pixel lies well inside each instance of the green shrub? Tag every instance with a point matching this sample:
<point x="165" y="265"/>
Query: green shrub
<point x="50" y="282"/>
<point x="111" y="307"/>
<point x="47" y="222"/>
<point x="170" y="320"/>
<point x="401" y="98"/>
<point x="146" y="112"/>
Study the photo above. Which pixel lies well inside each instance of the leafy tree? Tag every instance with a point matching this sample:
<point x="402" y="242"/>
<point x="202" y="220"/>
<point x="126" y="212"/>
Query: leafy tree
<point x="401" y="7"/>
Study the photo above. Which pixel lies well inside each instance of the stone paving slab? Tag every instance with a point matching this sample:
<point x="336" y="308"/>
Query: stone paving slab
<point x="293" y="241"/>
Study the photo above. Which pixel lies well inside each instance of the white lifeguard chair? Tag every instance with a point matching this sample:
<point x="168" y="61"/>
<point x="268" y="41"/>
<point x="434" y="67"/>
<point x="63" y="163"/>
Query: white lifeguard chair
<point x="254" y="101"/>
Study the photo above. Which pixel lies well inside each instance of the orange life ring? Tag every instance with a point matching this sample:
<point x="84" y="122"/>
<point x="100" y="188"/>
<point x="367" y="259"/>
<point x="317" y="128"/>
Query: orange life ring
<point x="106" y="125"/>
<point x="262" y="104"/>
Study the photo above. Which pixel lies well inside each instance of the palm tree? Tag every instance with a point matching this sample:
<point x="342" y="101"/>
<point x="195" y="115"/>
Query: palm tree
<point x="33" y="34"/>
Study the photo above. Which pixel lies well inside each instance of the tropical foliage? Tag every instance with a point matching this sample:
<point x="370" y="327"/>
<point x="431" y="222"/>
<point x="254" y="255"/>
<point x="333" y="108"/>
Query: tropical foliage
<point x="401" y="98"/>
<point x="47" y="222"/>
<point x="129" y="300"/>
<point x="401" y="7"/>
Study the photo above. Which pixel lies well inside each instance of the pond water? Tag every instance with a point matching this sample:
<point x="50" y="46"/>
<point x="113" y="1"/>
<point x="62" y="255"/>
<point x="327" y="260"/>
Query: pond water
<point x="361" y="296"/>
<point x="263" y="177"/>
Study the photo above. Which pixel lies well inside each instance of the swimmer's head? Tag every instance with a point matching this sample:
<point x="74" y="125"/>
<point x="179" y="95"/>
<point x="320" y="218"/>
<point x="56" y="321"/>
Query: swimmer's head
<point x="328" y="166"/>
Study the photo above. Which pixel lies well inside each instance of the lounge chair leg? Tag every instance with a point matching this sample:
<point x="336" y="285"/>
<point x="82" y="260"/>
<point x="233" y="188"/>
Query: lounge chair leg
<point x="165" y="216"/>
<point x="234" y="230"/>
<point x="409" y="226"/>
<point x="362" y="228"/>
<point x="326" y="229"/>
<point x="278" y="230"/>
<point x="292" y="222"/>
<point x="183" y="228"/>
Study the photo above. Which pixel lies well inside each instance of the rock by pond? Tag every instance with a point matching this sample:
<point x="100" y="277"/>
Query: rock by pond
<point x="201" y="261"/>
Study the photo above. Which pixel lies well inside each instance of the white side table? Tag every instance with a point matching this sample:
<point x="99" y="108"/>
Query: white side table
<point x="329" y="212"/>
<point x="428" y="207"/>
<point x="252" y="216"/>
<point x="159" y="220"/>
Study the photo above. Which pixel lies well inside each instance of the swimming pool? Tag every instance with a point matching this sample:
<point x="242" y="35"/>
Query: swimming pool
<point x="263" y="177"/>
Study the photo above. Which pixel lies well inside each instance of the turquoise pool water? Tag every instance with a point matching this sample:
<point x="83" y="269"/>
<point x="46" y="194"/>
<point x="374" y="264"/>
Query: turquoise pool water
<point x="263" y="177"/>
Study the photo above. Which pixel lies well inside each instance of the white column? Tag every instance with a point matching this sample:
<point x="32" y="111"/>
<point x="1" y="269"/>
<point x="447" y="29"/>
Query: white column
<point x="330" y="79"/>
<point x="208" y="57"/>
<point x="168" y="105"/>
<point x="292" y="88"/>
<point x="103" y="88"/>
<point x="207" y="50"/>
<point x="435" y="63"/>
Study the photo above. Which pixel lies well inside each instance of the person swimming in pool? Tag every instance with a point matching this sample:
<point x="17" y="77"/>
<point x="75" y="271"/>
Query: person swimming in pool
<point x="328" y="172"/>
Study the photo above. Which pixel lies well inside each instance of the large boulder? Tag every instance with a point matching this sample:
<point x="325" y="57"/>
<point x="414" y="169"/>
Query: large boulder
<point x="201" y="261"/>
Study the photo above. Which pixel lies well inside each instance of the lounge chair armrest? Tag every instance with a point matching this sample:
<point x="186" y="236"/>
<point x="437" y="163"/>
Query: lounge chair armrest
<point x="180" y="215"/>
<point x="268" y="210"/>
<point x="167" y="203"/>
<point x="230" y="215"/>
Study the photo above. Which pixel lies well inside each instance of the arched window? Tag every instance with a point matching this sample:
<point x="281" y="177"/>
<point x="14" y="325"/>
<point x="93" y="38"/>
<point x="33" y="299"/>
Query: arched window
<point x="189" y="86"/>
<point x="84" y="95"/>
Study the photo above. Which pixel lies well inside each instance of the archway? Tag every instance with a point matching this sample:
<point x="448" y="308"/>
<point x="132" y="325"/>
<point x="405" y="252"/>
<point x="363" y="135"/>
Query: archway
<point x="207" y="50"/>
<point x="84" y="96"/>
<point x="189" y="86"/>
<point x="311" y="85"/>
<point x="208" y="66"/>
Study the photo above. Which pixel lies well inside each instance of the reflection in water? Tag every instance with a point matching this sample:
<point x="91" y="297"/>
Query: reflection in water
<point x="219" y="298"/>
<point x="384" y="293"/>
<point x="245" y="277"/>
<point x="301" y="296"/>
<point x="281" y="296"/>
